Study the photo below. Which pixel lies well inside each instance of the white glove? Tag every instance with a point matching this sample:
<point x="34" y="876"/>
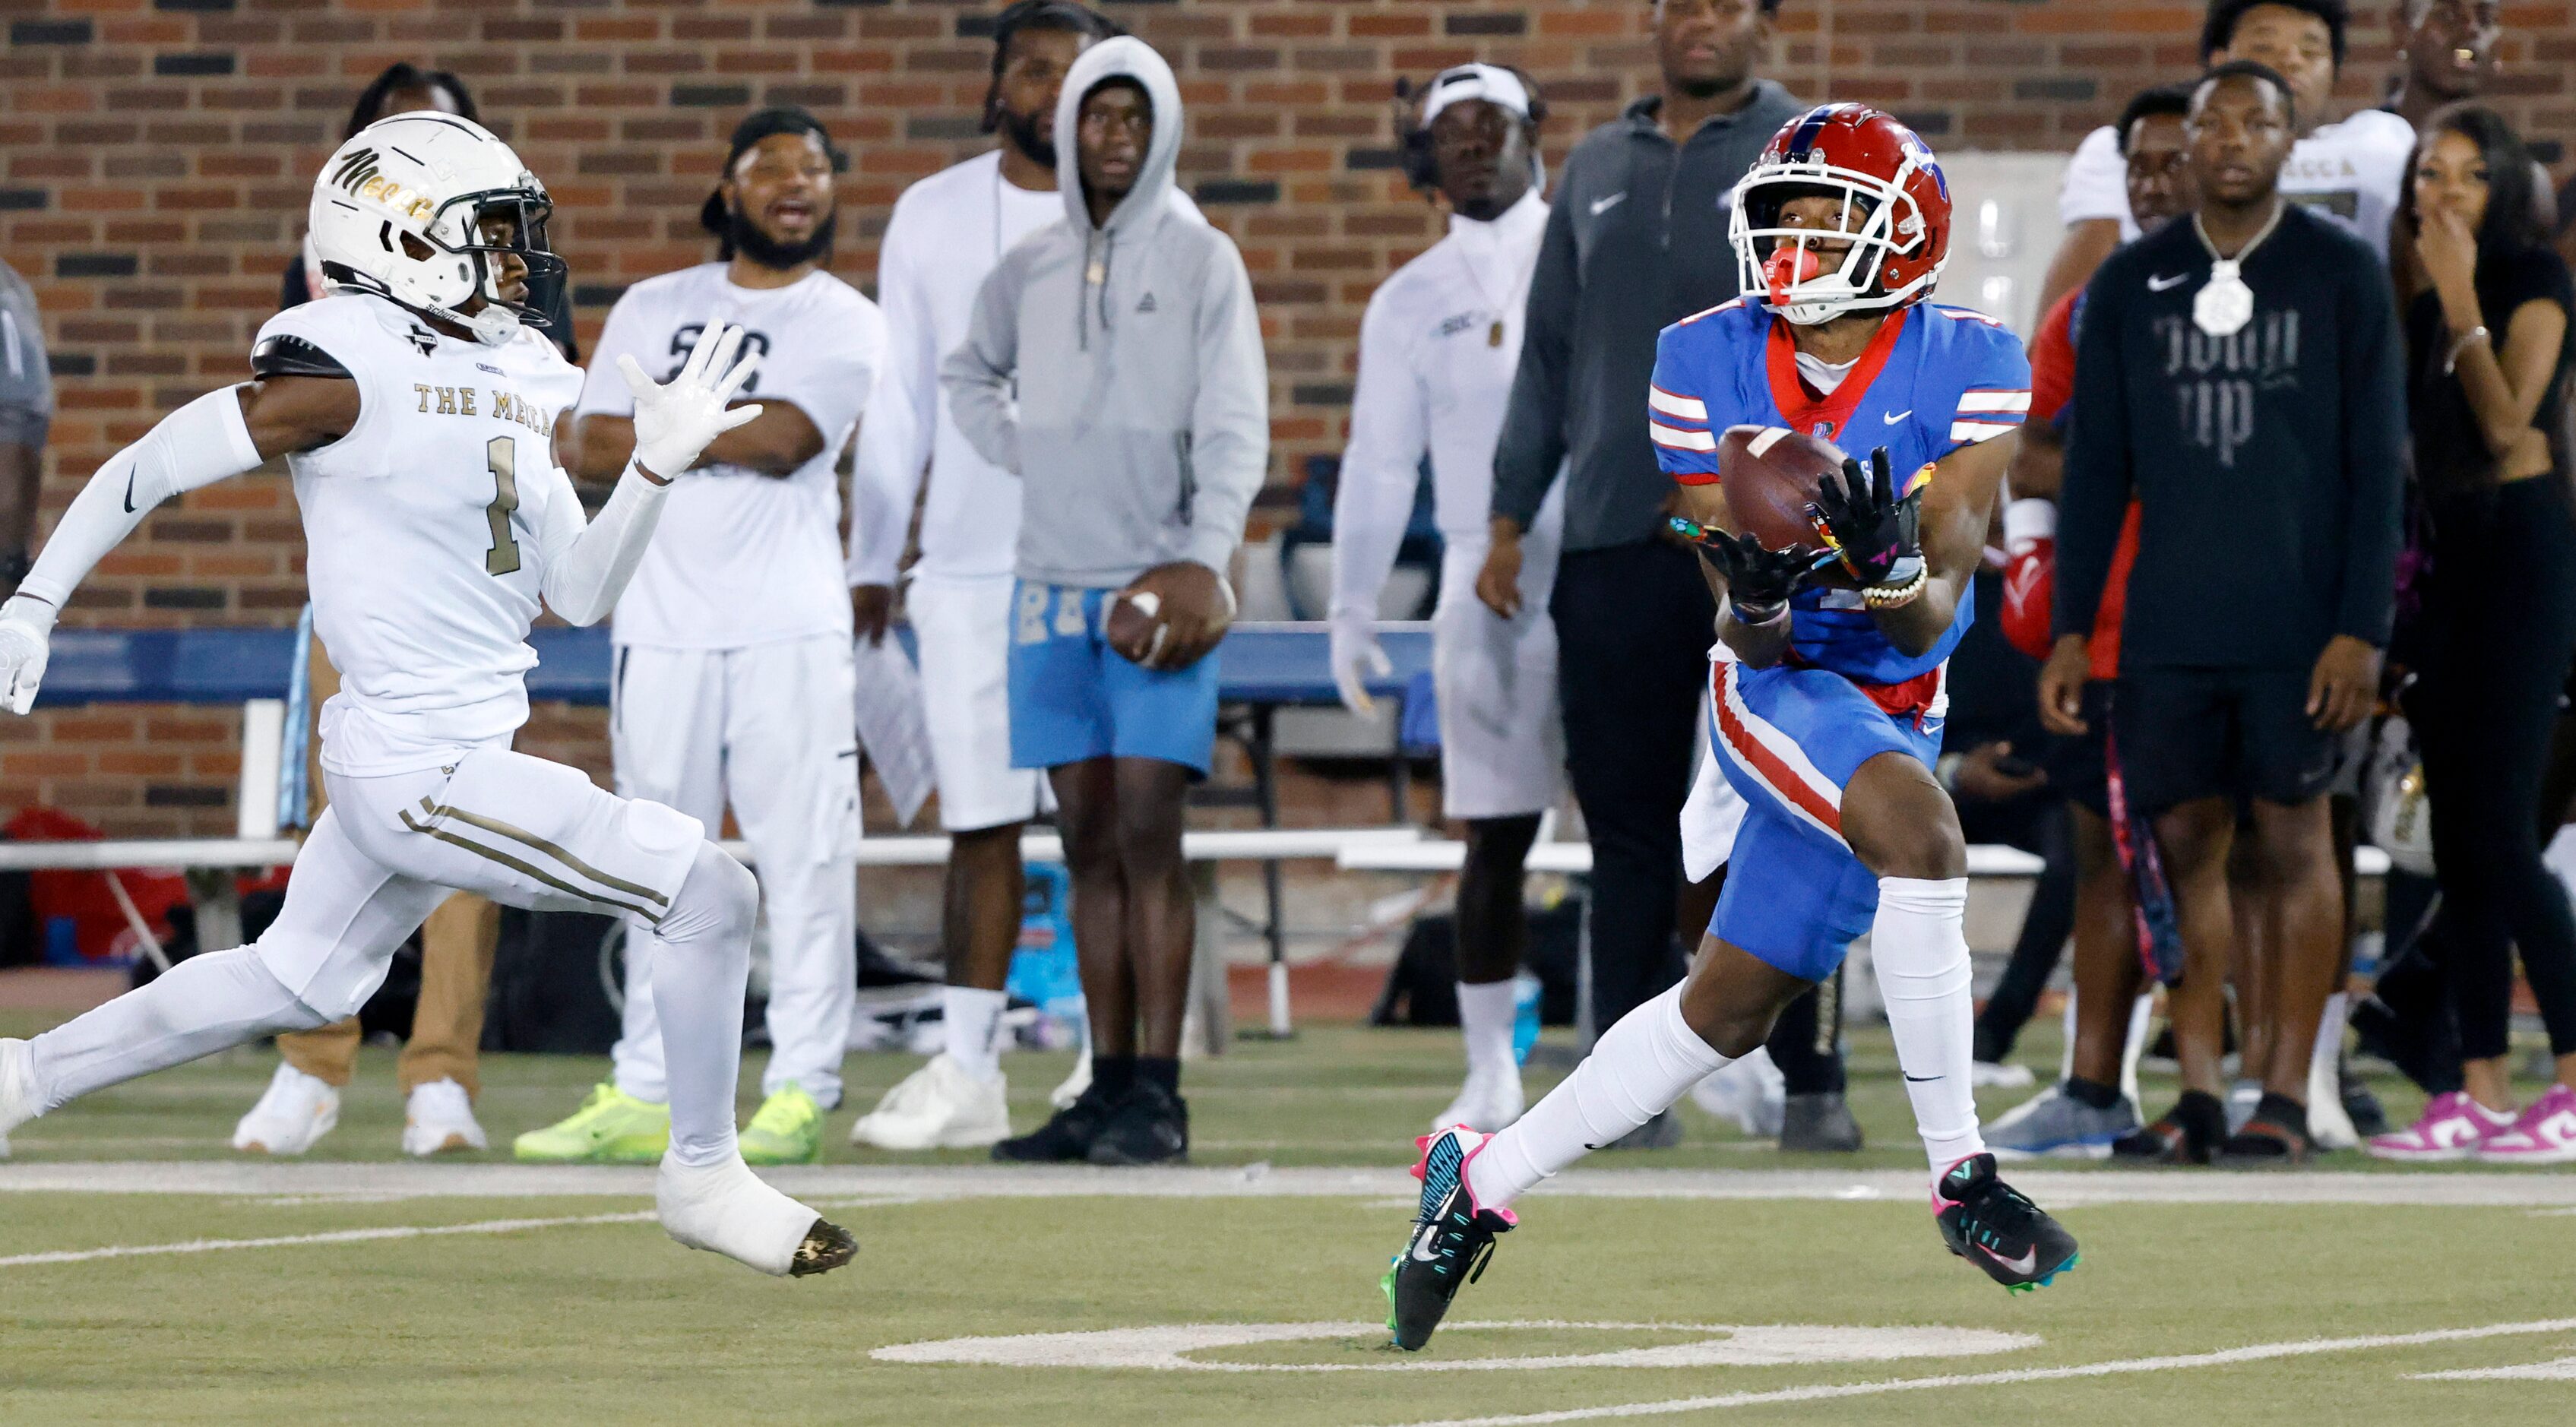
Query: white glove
<point x="675" y="422"/>
<point x="26" y="629"/>
<point x="1356" y="655"/>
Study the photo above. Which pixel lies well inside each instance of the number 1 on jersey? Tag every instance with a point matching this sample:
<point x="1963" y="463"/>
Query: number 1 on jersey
<point x="503" y="457"/>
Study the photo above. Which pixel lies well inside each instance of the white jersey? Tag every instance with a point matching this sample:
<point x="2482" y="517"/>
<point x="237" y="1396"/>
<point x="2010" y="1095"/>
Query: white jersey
<point x="947" y="233"/>
<point x="2351" y="170"/>
<point x="1438" y="347"/>
<point x="426" y="529"/>
<point x="742" y="558"/>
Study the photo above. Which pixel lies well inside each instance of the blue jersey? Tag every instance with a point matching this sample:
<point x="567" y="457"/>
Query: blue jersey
<point x="1933" y="380"/>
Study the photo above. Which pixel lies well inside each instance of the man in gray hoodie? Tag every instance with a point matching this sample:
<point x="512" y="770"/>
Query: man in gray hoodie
<point x="1114" y="364"/>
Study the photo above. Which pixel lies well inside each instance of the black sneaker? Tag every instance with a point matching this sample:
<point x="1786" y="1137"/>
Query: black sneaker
<point x="1450" y="1242"/>
<point x="1818" y="1123"/>
<point x="2189" y="1133"/>
<point x="1994" y="1226"/>
<point x="1151" y="1125"/>
<point x="1065" y="1138"/>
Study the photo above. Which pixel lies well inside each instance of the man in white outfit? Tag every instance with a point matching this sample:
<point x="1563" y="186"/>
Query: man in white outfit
<point x="1438" y="346"/>
<point x="733" y="683"/>
<point x="416" y="414"/>
<point x="946" y="234"/>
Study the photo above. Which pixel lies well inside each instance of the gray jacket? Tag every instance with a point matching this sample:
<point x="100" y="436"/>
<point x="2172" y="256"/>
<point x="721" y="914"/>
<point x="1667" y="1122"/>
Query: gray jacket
<point x="1636" y="241"/>
<point x="1117" y="369"/>
<point x="26" y="387"/>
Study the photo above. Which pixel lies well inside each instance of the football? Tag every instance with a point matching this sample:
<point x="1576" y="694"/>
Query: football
<point x="1769" y="474"/>
<point x="1134" y="625"/>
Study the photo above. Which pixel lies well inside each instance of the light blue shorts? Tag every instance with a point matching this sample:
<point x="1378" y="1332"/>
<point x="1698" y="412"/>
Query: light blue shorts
<point x="1074" y="698"/>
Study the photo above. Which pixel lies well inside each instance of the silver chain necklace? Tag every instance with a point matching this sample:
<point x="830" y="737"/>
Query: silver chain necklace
<point x="2225" y="304"/>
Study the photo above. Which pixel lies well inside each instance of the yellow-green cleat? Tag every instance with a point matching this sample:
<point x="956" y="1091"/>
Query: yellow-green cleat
<point x="611" y="1127"/>
<point x="788" y="1130"/>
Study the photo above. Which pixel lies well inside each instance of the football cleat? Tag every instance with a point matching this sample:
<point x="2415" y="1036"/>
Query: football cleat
<point x="1994" y="1226"/>
<point x="726" y="1209"/>
<point x="1451" y="1242"/>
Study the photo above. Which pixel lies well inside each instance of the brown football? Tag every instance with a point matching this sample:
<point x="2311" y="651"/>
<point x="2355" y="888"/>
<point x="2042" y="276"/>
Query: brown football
<point x="1769" y="474"/>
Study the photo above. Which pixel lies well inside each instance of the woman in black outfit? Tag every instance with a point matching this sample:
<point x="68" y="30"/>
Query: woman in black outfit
<point x="2488" y="352"/>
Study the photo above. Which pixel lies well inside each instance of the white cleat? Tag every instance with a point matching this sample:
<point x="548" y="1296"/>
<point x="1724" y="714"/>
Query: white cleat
<point x="726" y="1209"/>
<point x="1748" y="1090"/>
<point x="1488" y="1101"/>
<point x="439" y="1119"/>
<point x="940" y="1106"/>
<point x="17" y="1089"/>
<point x="1063" y="1096"/>
<point x="296" y="1111"/>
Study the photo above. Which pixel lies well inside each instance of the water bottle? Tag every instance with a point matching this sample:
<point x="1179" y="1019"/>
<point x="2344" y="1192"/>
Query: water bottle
<point x="1525" y="995"/>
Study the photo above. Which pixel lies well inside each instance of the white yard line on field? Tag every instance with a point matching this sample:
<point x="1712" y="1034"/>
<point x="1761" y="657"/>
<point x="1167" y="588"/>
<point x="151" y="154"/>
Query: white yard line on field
<point x="2255" y="1352"/>
<point x="336" y="1236"/>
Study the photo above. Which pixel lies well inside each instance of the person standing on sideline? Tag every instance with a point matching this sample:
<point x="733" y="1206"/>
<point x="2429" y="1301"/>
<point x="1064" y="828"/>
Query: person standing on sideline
<point x="2487" y="348"/>
<point x="946" y="234"/>
<point x="1114" y="363"/>
<point x="2240" y="375"/>
<point x="1437" y="348"/>
<point x="734" y="682"/>
<point x="2351" y="169"/>
<point x="26" y="414"/>
<point x="1631" y="245"/>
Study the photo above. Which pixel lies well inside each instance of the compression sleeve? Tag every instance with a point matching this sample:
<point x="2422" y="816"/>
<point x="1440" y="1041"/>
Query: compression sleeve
<point x="1382" y="463"/>
<point x="588" y="564"/>
<point x="197" y="445"/>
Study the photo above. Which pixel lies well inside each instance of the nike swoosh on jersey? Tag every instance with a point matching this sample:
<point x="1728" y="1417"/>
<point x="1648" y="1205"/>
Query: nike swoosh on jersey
<point x="1900" y="416"/>
<point x="1604" y="205"/>
<point x="2027" y="1263"/>
<point x="2160" y="284"/>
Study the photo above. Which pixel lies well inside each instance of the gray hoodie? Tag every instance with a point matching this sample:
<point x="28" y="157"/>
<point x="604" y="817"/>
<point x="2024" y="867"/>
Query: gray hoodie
<point x="1117" y="369"/>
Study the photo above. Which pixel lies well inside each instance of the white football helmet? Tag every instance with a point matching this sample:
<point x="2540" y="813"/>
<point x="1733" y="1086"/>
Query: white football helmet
<point x="401" y="209"/>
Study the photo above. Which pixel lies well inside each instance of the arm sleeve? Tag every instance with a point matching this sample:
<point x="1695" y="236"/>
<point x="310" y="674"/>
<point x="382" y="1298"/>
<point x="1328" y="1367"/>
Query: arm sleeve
<point x="2096" y="182"/>
<point x="2093" y="496"/>
<point x="1382" y="463"/>
<point x="603" y="388"/>
<point x="587" y="564"/>
<point x="978" y="376"/>
<point x="1532" y="444"/>
<point x="2374" y="406"/>
<point x="1677" y="414"/>
<point x="1230" y="422"/>
<point x="903" y="417"/>
<point x="197" y="445"/>
<point x="1994" y="395"/>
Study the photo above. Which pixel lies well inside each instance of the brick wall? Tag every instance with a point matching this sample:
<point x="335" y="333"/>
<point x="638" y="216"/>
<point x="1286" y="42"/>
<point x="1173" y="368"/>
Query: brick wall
<point x="158" y="155"/>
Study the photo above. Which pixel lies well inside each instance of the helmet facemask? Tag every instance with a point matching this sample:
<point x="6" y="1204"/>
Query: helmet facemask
<point x="1878" y="220"/>
<point x="461" y="229"/>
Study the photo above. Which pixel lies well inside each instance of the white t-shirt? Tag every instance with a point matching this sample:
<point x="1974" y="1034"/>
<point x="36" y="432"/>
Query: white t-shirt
<point x="947" y="233"/>
<point x="1438" y="346"/>
<point x="2351" y="170"/>
<point x="743" y="558"/>
<point x="427" y="528"/>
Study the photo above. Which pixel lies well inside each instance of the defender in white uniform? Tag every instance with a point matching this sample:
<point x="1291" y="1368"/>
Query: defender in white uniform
<point x="416" y="414"/>
<point x="1438" y="347"/>
<point x="733" y="683"/>
<point x="946" y="234"/>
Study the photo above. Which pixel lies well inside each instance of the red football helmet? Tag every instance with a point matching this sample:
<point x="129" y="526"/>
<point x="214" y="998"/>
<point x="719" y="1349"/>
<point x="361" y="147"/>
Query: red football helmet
<point x="1896" y="215"/>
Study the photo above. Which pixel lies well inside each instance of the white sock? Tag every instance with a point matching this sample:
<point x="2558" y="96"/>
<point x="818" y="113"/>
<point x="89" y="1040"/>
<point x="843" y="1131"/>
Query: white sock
<point x="972" y="1017"/>
<point x="200" y="1006"/>
<point x="701" y="961"/>
<point x="1919" y="946"/>
<point x="1486" y="1015"/>
<point x="1636" y="1071"/>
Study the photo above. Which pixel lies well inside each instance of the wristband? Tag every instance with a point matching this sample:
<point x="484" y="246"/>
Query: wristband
<point x="2451" y="362"/>
<point x="1759" y="615"/>
<point x="1900" y="592"/>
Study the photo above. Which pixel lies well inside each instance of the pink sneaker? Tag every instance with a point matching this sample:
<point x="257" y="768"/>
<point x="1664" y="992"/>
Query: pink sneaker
<point x="2453" y="1127"/>
<point x="2546" y="1133"/>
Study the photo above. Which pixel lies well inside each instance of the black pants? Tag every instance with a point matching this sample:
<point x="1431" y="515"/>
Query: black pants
<point x="1633" y="626"/>
<point x="2503" y="613"/>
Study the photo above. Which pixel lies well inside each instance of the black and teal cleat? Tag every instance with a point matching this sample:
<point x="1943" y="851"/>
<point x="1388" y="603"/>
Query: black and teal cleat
<point x="1996" y="1227"/>
<point x="1451" y="1239"/>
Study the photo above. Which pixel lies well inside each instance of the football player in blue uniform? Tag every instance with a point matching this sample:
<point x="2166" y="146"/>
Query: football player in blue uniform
<point x="1827" y="691"/>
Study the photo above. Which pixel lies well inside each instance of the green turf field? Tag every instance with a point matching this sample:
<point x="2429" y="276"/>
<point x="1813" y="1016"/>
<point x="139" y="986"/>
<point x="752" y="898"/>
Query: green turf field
<point x="345" y="1288"/>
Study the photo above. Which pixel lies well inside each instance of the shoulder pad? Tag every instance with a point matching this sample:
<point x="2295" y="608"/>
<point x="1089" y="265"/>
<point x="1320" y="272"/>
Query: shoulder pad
<point x="286" y="355"/>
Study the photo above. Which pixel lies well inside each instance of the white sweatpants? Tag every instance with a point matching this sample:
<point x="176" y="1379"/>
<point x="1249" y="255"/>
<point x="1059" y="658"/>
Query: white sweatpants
<point x="961" y="625"/>
<point x="1502" y="737"/>
<point x="769" y="730"/>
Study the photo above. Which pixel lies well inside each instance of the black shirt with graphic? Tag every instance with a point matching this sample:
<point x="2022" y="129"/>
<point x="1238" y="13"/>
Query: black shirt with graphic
<point x="2268" y="464"/>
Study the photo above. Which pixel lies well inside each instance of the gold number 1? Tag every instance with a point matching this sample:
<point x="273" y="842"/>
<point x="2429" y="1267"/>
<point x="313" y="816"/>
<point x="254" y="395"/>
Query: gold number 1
<point x="503" y="457"/>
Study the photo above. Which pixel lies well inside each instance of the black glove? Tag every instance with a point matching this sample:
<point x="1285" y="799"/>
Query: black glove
<point x="1874" y="532"/>
<point x="1759" y="582"/>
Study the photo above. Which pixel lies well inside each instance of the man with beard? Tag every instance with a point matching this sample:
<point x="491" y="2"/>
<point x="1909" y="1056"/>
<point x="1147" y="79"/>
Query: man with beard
<point x="1634" y="242"/>
<point x="734" y="680"/>
<point x="946" y="234"/>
